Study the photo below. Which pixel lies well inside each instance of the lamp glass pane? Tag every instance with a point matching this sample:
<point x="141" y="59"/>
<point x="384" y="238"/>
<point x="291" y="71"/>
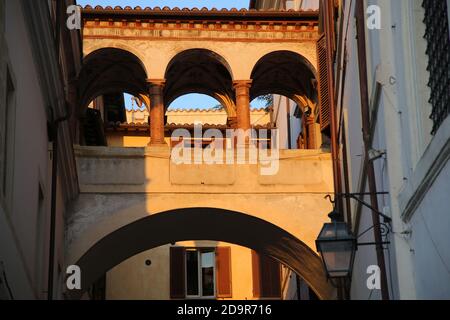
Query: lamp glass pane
<point x="337" y="257"/>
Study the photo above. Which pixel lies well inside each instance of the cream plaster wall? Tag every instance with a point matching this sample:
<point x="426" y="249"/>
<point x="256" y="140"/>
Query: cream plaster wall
<point x="133" y="279"/>
<point x="122" y="185"/>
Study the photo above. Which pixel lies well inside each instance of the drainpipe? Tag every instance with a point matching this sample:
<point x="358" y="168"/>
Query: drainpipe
<point x="54" y="126"/>
<point x="360" y="22"/>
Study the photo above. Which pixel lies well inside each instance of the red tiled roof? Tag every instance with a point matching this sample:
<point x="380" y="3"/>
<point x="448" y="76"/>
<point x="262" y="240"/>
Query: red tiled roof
<point x="205" y="12"/>
<point x="195" y="9"/>
<point x="138" y="126"/>
<point x="211" y="110"/>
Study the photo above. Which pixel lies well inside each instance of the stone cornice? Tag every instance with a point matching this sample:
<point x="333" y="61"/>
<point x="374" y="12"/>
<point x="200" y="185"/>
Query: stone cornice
<point x="187" y="30"/>
<point x="204" y="24"/>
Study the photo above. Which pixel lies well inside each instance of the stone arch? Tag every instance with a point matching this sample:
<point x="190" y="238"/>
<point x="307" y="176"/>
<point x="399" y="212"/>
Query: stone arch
<point x="199" y="70"/>
<point x="109" y="70"/>
<point x="121" y="45"/>
<point x="202" y="224"/>
<point x="285" y="73"/>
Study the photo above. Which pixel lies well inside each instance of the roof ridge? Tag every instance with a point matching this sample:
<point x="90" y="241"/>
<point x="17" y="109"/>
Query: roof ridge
<point x="184" y="9"/>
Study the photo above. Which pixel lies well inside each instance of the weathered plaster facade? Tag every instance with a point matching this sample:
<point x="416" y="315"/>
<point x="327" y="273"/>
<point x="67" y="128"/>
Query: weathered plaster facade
<point x="143" y="196"/>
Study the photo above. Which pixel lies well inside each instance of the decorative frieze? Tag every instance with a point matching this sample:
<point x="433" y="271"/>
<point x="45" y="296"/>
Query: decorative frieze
<point x="247" y="32"/>
<point x="205" y="24"/>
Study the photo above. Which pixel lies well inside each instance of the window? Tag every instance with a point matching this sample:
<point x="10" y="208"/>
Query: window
<point x="200" y="272"/>
<point x="438" y="51"/>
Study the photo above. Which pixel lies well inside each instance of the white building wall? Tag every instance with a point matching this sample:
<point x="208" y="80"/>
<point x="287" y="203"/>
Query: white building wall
<point x="280" y="119"/>
<point x="25" y="209"/>
<point x="21" y="240"/>
<point x="430" y="242"/>
<point x="418" y="257"/>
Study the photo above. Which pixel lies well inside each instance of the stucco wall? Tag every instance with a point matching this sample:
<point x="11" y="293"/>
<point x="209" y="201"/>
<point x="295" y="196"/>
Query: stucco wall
<point x="23" y="224"/>
<point x="430" y="242"/>
<point x="415" y="169"/>
<point x="241" y="56"/>
<point x="133" y="279"/>
<point x="121" y="185"/>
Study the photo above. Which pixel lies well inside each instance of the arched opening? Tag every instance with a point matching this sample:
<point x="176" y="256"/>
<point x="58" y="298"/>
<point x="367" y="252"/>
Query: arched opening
<point x="286" y="81"/>
<point x="200" y="71"/>
<point x="194" y="112"/>
<point x="202" y="224"/>
<point x="200" y="270"/>
<point x="289" y="117"/>
<point x="111" y="83"/>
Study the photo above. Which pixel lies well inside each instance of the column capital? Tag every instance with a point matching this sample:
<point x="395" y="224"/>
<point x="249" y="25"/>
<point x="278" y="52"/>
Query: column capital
<point x="242" y="83"/>
<point x="156" y="82"/>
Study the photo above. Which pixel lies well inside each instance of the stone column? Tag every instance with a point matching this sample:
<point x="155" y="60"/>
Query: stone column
<point x="242" y="88"/>
<point x="310" y="132"/>
<point x="157" y="111"/>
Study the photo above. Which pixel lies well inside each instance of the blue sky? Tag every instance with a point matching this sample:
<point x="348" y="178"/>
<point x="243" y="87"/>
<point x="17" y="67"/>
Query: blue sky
<point x="195" y="101"/>
<point x="190" y="101"/>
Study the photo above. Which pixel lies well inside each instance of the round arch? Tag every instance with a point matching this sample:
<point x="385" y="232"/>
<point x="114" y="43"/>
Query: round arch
<point x="94" y="47"/>
<point x="285" y="73"/>
<point x="202" y="224"/>
<point x="199" y="71"/>
<point x="111" y="70"/>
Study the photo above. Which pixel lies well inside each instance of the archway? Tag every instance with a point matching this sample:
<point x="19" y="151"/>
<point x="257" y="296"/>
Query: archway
<point x="107" y="74"/>
<point x="291" y="79"/>
<point x="201" y="224"/>
<point x="111" y="70"/>
<point x="200" y="71"/>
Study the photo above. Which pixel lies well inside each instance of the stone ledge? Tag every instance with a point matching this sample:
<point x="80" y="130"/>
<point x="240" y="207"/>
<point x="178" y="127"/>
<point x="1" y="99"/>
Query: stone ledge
<point x="427" y="170"/>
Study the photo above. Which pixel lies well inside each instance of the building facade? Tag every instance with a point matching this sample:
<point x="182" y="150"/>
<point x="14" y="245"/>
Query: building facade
<point x="211" y="230"/>
<point x="38" y="62"/>
<point x="391" y="75"/>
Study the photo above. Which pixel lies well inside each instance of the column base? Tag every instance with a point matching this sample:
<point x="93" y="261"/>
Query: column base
<point x="158" y="146"/>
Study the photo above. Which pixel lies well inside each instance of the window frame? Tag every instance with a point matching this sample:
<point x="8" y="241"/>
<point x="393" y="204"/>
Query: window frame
<point x="199" y="251"/>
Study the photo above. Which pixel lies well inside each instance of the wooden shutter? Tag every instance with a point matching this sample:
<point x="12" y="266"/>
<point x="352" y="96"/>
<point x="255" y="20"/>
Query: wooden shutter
<point x="255" y="275"/>
<point x="177" y="281"/>
<point x="323" y="79"/>
<point x="270" y="277"/>
<point x="223" y="272"/>
<point x="266" y="276"/>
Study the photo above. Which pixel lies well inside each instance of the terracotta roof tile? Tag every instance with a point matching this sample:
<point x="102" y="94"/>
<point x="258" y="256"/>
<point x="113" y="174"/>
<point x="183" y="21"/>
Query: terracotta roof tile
<point x="145" y="126"/>
<point x="194" y="9"/>
<point x="211" y="110"/>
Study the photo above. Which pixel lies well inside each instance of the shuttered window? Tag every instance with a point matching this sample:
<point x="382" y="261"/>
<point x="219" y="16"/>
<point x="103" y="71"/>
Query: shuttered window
<point x="324" y="100"/>
<point x="266" y="276"/>
<point x="200" y="272"/>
